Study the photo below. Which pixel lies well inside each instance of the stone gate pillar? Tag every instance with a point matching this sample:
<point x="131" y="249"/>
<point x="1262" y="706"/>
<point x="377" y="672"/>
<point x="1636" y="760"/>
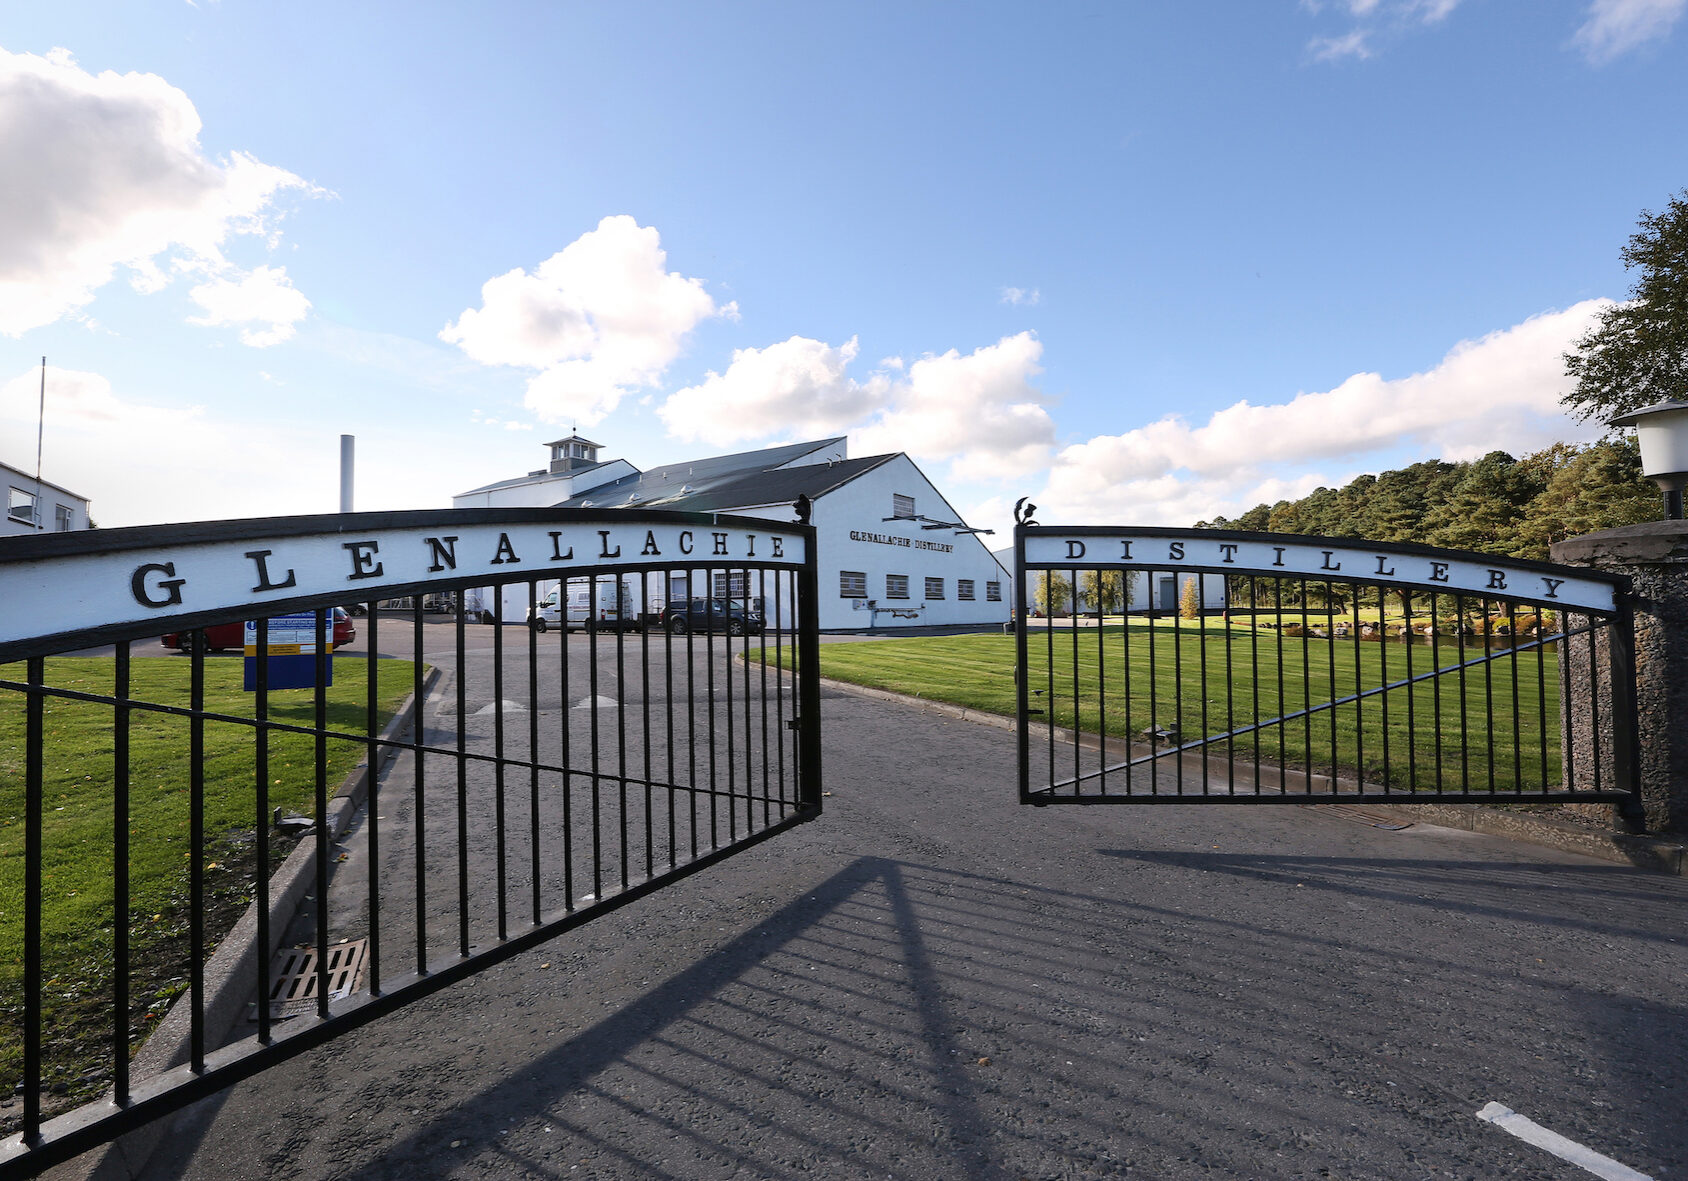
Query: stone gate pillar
<point x="1655" y="557"/>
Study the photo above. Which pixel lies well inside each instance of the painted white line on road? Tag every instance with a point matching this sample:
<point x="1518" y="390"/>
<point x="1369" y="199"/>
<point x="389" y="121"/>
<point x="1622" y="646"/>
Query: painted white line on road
<point x="1531" y="1132"/>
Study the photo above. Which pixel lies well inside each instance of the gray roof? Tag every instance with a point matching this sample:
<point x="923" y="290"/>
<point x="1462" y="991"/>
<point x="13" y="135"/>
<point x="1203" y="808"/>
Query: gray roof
<point x="531" y="477"/>
<point x="698" y="488"/>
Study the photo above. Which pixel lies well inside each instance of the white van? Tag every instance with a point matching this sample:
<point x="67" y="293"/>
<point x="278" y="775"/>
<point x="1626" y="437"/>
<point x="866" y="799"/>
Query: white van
<point x="609" y="605"/>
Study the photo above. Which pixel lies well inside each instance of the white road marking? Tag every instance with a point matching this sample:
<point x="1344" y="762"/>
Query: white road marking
<point x="1531" y="1132"/>
<point x="601" y="701"/>
<point x="510" y="707"/>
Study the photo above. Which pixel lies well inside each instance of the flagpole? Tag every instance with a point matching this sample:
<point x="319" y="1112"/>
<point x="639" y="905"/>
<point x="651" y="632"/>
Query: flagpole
<point x="40" y="430"/>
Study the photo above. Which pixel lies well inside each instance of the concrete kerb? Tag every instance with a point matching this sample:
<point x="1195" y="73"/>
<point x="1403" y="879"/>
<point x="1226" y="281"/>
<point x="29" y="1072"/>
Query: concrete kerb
<point x="231" y="974"/>
<point x="1658" y="854"/>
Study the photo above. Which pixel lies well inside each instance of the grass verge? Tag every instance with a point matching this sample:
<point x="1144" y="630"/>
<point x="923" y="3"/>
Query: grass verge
<point x="79" y="788"/>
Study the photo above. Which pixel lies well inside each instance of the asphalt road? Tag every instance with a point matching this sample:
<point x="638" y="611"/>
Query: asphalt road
<point x="932" y="982"/>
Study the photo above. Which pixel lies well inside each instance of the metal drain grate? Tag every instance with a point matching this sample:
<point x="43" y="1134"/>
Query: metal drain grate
<point x="293" y="976"/>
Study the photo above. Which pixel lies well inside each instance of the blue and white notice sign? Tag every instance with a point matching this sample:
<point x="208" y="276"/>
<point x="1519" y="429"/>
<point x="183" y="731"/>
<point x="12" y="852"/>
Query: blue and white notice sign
<point x="291" y="652"/>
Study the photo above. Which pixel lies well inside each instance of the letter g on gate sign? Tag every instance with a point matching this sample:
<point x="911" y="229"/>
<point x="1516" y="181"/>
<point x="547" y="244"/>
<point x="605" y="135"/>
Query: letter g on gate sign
<point x="170" y="585"/>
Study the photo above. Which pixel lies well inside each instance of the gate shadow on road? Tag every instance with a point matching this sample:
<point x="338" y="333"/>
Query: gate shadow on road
<point x="1187" y="1015"/>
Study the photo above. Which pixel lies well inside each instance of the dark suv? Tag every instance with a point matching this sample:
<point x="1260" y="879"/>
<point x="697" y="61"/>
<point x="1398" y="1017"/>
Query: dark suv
<point x="700" y="615"/>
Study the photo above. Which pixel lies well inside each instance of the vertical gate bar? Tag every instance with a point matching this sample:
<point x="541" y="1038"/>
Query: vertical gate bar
<point x="1230" y="691"/>
<point x="34" y="709"/>
<point x="1101" y="685"/>
<point x="1201" y="633"/>
<point x="1489" y="685"/>
<point x="668" y="713"/>
<point x="418" y="792"/>
<point x="744" y="657"/>
<point x="1306" y="693"/>
<point x="196" y="855"/>
<point x="691" y="715"/>
<point x="565" y="723"/>
<point x="809" y="676"/>
<point x="645" y="714"/>
<point x="1254" y="679"/>
<point x="463" y="765"/>
<point x="533" y="731"/>
<point x="1330" y="681"/>
<point x="1541" y="692"/>
<point x="1518" y="722"/>
<point x="1356" y="591"/>
<point x="1283" y="703"/>
<point x="1626" y="726"/>
<point x="1567" y="669"/>
<point x="1154" y="691"/>
<point x="372" y="760"/>
<point x="591" y="630"/>
<point x="324" y="633"/>
<point x="120" y="725"/>
<point x="1436" y="684"/>
<point x="1383" y="677"/>
<point x="709" y="690"/>
<point x="1022" y="674"/>
<point x="620" y="593"/>
<point x="1593" y="700"/>
<point x="1177" y="688"/>
<point x="1411" y="637"/>
<point x="1049" y="664"/>
<point x="779" y="682"/>
<point x="1125" y="666"/>
<point x="500" y="861"/>
<point x="1078" y="701"/>
<point x="261" y="767"/>
<point x="767" y="787"/>
<point x="564" y="728"/>
<point x="1464" y="704"/>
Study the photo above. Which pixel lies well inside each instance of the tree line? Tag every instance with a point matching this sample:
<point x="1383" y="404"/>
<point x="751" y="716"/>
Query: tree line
<point x="1496" y="504"/>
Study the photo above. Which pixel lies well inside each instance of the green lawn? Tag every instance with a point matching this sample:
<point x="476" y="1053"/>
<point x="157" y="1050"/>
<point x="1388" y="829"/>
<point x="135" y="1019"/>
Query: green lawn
<point x="78" y="792"/>
<point x="1261" y="675"/>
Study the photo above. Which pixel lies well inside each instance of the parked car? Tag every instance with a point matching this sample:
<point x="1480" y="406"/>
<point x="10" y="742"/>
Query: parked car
<point x="577" y="604"/>
<point x="732" y="616"/>
<point x="222" y="636"/>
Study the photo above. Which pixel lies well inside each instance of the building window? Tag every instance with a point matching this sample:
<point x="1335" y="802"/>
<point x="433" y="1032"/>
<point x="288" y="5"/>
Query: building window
<point x="934" y="588"/>
<point x="902" y="506"/>
<point x="730" y="586"/>
<point x="964" y="589"/>
<point x="852" y="584"/>
<point x="20" y="506"/>
<point x="896" y="586"/>
<point x="993" y="592"/>
<point x="62" y="517"/>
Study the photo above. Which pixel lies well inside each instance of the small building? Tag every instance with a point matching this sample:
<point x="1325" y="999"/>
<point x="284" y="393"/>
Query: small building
<point x="36" y="506"/>
<point x="891" y="551"/>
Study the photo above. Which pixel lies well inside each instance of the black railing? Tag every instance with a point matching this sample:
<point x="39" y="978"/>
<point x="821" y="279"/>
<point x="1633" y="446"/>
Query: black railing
<point x="465" y="791"/>
<point x="1233" y="676"/>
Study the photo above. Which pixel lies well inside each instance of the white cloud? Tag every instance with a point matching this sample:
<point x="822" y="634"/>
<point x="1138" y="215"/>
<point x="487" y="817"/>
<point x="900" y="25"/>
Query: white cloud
<point x="980" y="411"/>
<point x="597" y="319"/>
<point x="1501" y="391"/>
<point x="797" y="387"/>
<point x="1614" y="27"/>
<point x="265" y="297"/>
<point x="1020" y="296"/>
<point x="106" y="171"/>
<point x="1374" y="20"/>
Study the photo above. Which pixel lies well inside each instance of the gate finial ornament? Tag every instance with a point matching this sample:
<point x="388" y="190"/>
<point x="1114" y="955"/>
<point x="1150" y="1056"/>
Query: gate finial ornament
<point x="804" y="507"/>
<point x="1024" y="516"/>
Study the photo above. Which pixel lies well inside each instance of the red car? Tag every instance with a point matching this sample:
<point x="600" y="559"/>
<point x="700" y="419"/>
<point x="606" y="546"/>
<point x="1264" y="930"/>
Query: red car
<point x="221" y="636"/>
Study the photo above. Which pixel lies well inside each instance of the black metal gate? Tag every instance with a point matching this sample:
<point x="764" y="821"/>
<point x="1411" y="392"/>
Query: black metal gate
<point x="644" y="719"/>
<point x="1191" y="665"/>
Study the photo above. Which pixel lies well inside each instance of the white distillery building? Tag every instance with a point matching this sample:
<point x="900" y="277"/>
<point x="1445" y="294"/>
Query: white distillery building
<point x="890" y="550"/>
<point x="35" y="506"/>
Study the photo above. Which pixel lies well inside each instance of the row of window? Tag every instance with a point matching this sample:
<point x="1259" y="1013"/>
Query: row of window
<point x="852" y="584"/>
<point x="20" y="506"/>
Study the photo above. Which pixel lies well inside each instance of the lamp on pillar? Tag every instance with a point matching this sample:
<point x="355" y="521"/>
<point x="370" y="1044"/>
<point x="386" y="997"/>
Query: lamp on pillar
<point x="1663" y="433"/>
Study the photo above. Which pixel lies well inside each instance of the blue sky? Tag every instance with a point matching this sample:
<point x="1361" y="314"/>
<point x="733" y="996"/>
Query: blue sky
<point x="1144" y="262"/>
